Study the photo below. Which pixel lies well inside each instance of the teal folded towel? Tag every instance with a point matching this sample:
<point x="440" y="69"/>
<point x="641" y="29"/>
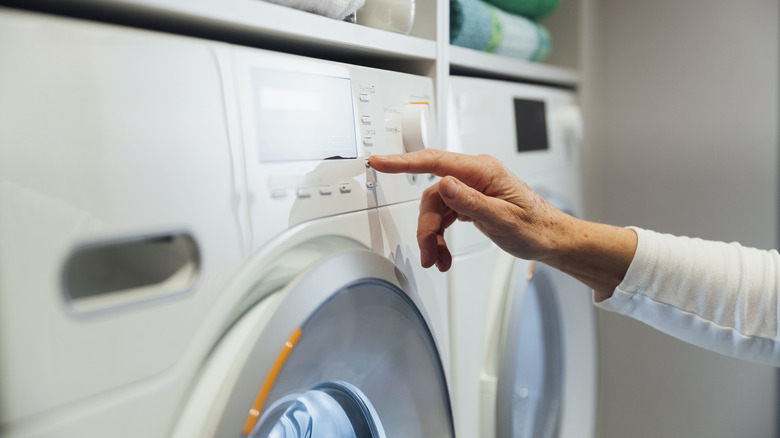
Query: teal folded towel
<point x="534" y="9"/>
<point x="477" y="25"/>
<point x="471" y="24"/>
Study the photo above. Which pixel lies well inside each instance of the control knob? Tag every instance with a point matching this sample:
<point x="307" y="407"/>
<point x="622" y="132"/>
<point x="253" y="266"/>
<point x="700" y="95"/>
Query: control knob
<point x="569" y="119"/>
<point x="414" y="126"/>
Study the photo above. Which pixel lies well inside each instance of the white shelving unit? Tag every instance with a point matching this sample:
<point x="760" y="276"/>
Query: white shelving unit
<point x="426" y="50"/>
<point x="562" y="68"/>
<point x="477" y="63"/>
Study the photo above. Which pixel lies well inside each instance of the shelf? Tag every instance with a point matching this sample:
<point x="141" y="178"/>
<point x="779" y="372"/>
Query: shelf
<point x="476" y="63"/>
<point x="281" y="22"/>
<point x="249" y="22"/>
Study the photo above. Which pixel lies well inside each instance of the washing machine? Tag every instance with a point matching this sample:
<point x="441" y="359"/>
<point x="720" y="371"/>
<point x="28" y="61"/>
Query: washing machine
<point x="523" y="334"/>
<point x="191" y="243"/>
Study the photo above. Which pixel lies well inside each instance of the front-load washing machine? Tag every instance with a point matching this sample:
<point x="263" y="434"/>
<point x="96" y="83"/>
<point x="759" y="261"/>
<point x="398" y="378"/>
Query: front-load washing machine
<point x="191" y="243"/>
<point x="523" y="334"/>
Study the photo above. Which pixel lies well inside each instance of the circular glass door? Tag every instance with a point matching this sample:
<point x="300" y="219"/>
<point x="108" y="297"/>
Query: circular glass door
<point x="365" y="365"/>
<point x="531" y="375"/>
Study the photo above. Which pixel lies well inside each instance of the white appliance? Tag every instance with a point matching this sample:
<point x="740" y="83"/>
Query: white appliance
<point x="191" y="243"/>
<point x="523" y="334"/>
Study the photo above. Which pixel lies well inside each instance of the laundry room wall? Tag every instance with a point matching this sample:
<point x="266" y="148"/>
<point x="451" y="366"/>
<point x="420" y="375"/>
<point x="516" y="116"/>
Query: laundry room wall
<point x="681" y="105"/>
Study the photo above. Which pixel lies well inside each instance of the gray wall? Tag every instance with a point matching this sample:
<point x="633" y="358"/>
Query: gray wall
<point x="681" y="104"/>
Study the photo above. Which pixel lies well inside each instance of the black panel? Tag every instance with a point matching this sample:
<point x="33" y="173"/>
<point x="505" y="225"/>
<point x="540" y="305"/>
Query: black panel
<point x="530" y="125"/>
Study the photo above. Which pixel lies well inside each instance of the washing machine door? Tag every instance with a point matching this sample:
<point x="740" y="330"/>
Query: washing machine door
<point x="531" y="374"/>
<point x="335" y="348"/>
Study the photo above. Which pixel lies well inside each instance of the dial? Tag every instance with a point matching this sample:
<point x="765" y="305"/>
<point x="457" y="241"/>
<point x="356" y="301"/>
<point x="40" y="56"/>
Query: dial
<point x="414" y="126"/>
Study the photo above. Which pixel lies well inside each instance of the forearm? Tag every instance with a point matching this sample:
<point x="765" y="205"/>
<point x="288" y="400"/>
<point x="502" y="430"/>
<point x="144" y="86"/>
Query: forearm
<point x="596" y="254"/>
<point x="719" y="296"/>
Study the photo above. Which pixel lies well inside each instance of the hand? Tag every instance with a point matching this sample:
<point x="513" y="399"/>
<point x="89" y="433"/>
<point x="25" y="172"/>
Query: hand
<point x="482" y="190"/>
<point x="479" y="189"/>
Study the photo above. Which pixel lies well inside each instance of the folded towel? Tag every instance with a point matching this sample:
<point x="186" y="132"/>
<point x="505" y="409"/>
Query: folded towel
<point x="471" y="24"/>
<point x="338" y="9"/>
<point x="534" y="9"/>
<point x="480" y="26"/>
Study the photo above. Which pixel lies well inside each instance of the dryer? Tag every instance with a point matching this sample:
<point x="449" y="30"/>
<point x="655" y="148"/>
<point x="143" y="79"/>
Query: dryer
<point x="192" y="244"/>
<point x="523" y="334"/>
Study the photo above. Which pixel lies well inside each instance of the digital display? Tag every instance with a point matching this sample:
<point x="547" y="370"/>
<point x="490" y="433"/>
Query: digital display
<point x="530" y="125"/>
<point x="302" y="116"/>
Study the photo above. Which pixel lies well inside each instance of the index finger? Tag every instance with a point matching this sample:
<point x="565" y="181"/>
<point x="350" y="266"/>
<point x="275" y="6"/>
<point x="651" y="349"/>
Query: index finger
<point x="468" y="168"/>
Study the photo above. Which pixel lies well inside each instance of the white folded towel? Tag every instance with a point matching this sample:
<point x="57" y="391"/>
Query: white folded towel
<point x="338" y="9"/>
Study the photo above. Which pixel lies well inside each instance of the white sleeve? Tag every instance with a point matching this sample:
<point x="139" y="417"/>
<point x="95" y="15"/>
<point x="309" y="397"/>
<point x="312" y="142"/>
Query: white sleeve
<point x="720" y="296"/>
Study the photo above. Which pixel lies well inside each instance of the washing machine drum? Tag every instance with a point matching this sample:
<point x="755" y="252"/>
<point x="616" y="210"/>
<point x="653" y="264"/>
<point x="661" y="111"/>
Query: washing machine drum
<point x="331" y="409"/>
<point x="341" y="351"/>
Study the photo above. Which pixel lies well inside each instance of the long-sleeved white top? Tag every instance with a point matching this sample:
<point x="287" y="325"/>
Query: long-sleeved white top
<point x="720" y="296"/>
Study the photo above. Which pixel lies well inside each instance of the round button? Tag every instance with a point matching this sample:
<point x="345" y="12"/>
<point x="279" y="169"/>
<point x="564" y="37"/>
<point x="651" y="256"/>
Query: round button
<point x="414" y="127"/>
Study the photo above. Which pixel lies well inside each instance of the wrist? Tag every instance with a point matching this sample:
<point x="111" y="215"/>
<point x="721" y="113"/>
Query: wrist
<point x="596" y="254"/>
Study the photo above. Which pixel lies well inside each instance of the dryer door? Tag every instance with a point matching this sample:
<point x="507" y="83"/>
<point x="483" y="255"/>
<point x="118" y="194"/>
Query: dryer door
<point x="337" y="349"/>
<point x="530" y="383"/>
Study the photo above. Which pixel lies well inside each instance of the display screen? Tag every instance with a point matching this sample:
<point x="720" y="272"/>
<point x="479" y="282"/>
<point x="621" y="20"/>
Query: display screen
<point x="531" y="125"/>
<point x="302" y="116"/>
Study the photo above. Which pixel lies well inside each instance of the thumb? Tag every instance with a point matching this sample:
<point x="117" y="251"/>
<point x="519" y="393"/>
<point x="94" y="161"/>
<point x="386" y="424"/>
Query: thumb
<point x="466" y="201"/>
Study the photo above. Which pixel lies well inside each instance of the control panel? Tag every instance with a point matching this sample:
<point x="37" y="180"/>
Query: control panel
<point x="308" y="126"/>
<point x="532" y="129"/>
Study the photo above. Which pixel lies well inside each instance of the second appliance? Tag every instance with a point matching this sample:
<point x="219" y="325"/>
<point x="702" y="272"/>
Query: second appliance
<point x="523" y="334"/>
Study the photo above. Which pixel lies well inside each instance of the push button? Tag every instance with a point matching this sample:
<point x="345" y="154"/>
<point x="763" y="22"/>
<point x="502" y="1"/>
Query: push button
<point x="366" y="120"/>
<point x="368" y="140"/>
<point x="303" y="192"/>
<point x="345" y="188"/>
<point x="326" y="190"/>
<point x="365" y="97"/>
